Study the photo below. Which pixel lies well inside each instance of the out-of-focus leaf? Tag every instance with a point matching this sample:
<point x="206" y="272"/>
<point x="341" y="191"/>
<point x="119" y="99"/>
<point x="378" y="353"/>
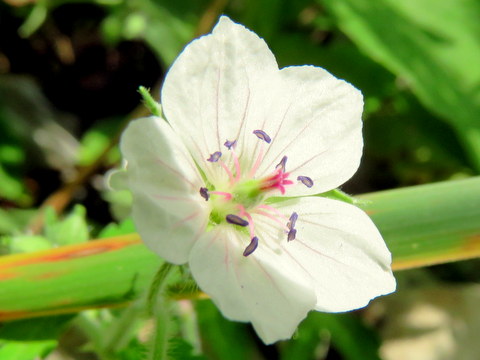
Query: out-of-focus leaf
<point x="31" y="350"/>
<point x="97" y="140"/>
<point x="222" y="339"/>
<point x="349" y="335"/>
<point x="123" y="228"/>
<point x="346" y="332"/>
<point x="14" y="220"/>
<point x="166" y="26"/>
<point x="43" y="328"/>
<point x="25" y="243"/>
<point x="28" y="121"/>
<point x="432" y="46"/>
<point x="71" y="230"/>
<point x="180" y="349"/>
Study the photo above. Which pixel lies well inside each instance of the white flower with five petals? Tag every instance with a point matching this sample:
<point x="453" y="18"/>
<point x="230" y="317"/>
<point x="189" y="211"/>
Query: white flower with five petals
<point x="224" y="185"/>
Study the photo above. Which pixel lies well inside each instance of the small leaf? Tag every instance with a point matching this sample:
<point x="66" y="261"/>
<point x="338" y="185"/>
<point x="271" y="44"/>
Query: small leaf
<point x="32" y="350"/>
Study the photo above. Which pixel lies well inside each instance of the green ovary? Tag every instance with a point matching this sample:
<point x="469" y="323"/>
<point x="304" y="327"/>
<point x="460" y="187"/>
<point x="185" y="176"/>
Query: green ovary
<point x="247" y="193"/>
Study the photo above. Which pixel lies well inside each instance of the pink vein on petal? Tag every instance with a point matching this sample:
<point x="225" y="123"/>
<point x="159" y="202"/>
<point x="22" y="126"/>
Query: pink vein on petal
<point x="319" y="253"/>
<point x="175" y="171"/>
<point x="185" y="219"/>
<point x="270" y="278"/>
<point x="307" y="161"/>
<point x="174" y="198"/>
<point x="217" y="115"/>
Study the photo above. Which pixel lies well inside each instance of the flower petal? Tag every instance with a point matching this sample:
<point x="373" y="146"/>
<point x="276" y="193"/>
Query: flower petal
<point x="168" y="210"/>
<point x="315" y="120"/>
<point x="341" y="251"/>
<point x="214" y="87"/>
<point x="265" y="288"/>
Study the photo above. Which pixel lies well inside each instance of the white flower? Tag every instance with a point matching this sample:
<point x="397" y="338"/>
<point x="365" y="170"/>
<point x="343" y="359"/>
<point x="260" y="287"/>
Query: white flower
<point x="207" y="186"/>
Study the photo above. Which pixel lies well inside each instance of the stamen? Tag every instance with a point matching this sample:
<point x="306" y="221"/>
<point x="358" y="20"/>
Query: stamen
<point x="238" y="171"/>
<point x="204" y="193"/>
<point x="229" y="144"/>
<point x="305" y="180"/>
<point x="227" y="170"/>
<point x="251" y="247"/>
<point x="226" y="195"/>
<point x="236" y="220"/>
<point x="271" y="208"/>
<point x="291" y="234"/>
<point x="251" y="226"/>
<point x="257" y="162"/>
<point x="215" y="156"/>
<point x="262" y="135"/>
<point x="282" y="163"/>
<point x="292" y="221"/>
<point x="272" y="217"/>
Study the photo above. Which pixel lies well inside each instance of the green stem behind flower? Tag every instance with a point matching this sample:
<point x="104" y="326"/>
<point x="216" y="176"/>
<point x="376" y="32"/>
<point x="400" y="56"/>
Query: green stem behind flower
<point x="158" y="306"/>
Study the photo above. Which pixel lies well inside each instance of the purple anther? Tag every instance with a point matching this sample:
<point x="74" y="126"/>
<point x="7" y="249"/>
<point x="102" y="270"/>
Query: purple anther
<point x="291" y="234"/>
<point x="229" y="144"/>
<point x="282" y="163"/>
<point x="262" y="135"/>
<point x="251" y="247"/>
<point x="292" y="221"/>
<point x="215" y="156"/>
<point x="204" y="193"/>
<point x="236" y="220"/>
<point x="305" y="181"/>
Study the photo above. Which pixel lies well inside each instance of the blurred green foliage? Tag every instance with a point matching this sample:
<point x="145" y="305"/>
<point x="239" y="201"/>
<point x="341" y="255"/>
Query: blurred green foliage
<point x="68" y="78"/>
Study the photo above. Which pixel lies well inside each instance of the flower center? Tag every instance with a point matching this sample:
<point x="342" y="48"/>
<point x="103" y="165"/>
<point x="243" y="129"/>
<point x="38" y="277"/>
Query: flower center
<point x="235" y="203"/>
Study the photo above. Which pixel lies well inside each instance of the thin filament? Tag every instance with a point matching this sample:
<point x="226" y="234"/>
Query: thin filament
<point x="271" y="208"/>
<point x="229" y="173"/>
<point x="251" y="226"/>
<point x="237" y="166"/>
<point x="257" y="162"/>
<point x="270" y="216"/>
<point x="226" y="195"/>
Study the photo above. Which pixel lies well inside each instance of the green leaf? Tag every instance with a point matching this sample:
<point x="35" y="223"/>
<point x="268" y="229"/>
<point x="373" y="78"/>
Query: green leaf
<point x="97" y="140"/>
<point x="32" y="350"/>
<point x="42" y="328"/>
<point x="346" y="332"/>
<point x="123" y="228"/>
<point x="25" y="243"/>
<point x="166" y="26"/>
<point x="72" y="229"/>
<point x="433" y="46"/>
<point x="422" y="225"/>
<point x="428" y="224"/>
<point x="14" y="220"/>
<point x="76" y="277"/>
<point x="222" y="339"/>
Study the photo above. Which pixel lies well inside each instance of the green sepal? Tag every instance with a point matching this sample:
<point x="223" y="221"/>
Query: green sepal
<point x="154" y="107"/>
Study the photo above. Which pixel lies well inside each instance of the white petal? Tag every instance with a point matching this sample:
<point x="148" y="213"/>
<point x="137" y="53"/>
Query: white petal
<point x="265" y="288"/>
<point x="168" y="211"/>
<point x="341" y="251"/>
<point x="116" y="179"/>
<point x="216" y="85"/>
<point x="315" y="121"/>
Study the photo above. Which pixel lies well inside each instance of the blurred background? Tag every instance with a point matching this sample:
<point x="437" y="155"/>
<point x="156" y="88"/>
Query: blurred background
<point x="69" y="74"/>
